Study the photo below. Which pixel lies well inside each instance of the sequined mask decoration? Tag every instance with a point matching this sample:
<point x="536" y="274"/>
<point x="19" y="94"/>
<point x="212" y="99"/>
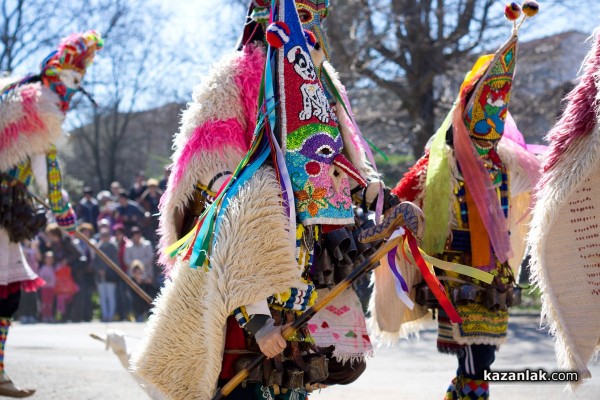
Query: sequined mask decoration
<point x="487" y="109"/>
<point x="313" y="144"/>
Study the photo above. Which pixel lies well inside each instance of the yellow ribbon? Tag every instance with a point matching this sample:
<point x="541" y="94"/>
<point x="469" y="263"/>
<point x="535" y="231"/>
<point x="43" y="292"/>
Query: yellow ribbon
<point x="181" y="241"/>
<point x="450" y="266"/>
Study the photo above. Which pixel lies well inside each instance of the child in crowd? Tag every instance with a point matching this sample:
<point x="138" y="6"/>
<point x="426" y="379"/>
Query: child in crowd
<point x="47" y="291"/>
<point x="140" y="307"/>
<point x="64" y="289"/>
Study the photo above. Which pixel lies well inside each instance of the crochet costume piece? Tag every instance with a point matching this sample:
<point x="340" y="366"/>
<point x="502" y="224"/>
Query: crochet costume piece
<point x="32" y="111"/>
<point x="564" y="229"/>
<point x="254" y="264"/>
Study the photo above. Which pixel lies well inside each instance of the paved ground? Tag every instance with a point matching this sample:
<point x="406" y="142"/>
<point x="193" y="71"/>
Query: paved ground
<point x="63" y="362"/>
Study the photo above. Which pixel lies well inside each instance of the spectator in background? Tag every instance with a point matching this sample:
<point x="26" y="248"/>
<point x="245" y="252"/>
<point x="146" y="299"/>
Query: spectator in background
<point x="115" y="190"/>
<point x="47" y="291"/>
<point x="140" y="307"/>
<point x="163" y="182"/>
<point x="123" y="291"/>
<point x="65" y="253"/>
<point x="151" y="197"/>
<point x="138" y="187"/>
<point x="150" y="200"/>
<point x="82" y="307"/>
<point x="106" y="278"/>
<point x="88" y="208"/>
<point x="62" y="246"/>
<point x="107" y="207"/>
<point x="64" y="290"/>
<point x="128" y="212"/>
<point x="140" y="249"/>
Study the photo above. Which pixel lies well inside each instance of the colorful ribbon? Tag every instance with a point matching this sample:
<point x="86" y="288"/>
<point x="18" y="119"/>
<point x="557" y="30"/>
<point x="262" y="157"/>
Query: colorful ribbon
<point x="425" y="263"/>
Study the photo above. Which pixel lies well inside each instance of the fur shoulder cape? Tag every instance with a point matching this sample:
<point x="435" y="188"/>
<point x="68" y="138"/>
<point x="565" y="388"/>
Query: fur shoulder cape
<point x="30" y="122"/>
<point x="182" y="350"/>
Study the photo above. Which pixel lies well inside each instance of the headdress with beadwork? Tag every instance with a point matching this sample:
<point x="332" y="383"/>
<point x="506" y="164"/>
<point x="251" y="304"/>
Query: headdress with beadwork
<point x="478" y="120"/>
<point x="310" y="137"/>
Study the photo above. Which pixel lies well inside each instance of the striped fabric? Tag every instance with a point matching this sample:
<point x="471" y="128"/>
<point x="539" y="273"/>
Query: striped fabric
<point x="4" y="325"/>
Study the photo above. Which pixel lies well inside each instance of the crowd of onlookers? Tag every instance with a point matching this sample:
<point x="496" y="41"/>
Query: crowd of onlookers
<point x="79" y="285"/>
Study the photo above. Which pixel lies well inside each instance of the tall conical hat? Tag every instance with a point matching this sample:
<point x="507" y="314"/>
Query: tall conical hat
<point x="311" y="140"/>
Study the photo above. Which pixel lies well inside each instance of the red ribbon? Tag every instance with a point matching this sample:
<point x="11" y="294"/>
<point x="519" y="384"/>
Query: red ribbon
<point x="431" y="280"/>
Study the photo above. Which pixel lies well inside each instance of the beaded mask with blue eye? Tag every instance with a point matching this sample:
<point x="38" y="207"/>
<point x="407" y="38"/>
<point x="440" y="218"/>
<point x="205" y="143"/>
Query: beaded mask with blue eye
<point x="312" y="141"/>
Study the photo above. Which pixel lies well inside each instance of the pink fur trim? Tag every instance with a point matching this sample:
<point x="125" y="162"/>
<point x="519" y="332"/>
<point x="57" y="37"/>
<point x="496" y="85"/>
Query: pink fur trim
<point x="29" y="123"/>
<point x="251" y="67"/>
<point x="210" y="136"/>
<point x="579" y="117"/>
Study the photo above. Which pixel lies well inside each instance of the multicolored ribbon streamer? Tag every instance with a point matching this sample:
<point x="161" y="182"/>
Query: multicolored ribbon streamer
<point x="432" y="281"/>
<point x="418" y="257"/>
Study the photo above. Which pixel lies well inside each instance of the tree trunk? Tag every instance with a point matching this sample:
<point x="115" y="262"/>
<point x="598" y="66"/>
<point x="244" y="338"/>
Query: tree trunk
<point x="423" y="113"/>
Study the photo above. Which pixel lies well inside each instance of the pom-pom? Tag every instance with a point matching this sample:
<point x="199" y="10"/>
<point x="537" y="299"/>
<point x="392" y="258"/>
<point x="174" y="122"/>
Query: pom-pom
<point x="512" y="11"/>
<point x="311" y="40"/>
<point x="278" y="34"/>
<point x="530" y="8"/>
<point x="260" y="15"/>
<point x="261" y="3"/>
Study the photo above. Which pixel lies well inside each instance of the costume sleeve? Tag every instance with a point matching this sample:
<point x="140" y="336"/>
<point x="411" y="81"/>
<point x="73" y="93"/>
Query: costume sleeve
<point x="412" y="183"/>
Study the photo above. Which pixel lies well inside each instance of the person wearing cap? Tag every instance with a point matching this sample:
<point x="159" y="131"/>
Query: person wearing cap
<point x="139" y="248"/>
<point x="474" y="184"/>
<point x="88" y="208"/>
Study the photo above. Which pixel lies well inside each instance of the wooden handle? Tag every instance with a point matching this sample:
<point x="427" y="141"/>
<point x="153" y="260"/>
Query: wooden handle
<point x="138" y="290"/>
<point x="289" y="331"/>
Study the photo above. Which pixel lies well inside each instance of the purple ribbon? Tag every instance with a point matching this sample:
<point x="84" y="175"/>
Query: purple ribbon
<point x="391" y="256"/>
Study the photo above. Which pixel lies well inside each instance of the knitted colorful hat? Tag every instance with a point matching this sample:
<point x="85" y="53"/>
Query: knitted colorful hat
<point x="63" y="69"/>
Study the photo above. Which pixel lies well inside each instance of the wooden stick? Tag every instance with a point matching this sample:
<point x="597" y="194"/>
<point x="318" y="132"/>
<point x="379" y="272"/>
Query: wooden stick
<point x="134" y="286"/>
<point x="289" y="331"/>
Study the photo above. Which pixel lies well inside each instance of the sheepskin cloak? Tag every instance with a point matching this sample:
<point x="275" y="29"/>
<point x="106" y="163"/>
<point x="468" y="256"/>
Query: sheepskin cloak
<point x="565" y="229"/>
<point x="30" y="122"/>
<point x="182" y="350"/>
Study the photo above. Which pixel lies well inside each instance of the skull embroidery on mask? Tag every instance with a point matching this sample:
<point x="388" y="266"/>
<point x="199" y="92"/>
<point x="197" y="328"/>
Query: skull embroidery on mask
<point x="312" y="142"/>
